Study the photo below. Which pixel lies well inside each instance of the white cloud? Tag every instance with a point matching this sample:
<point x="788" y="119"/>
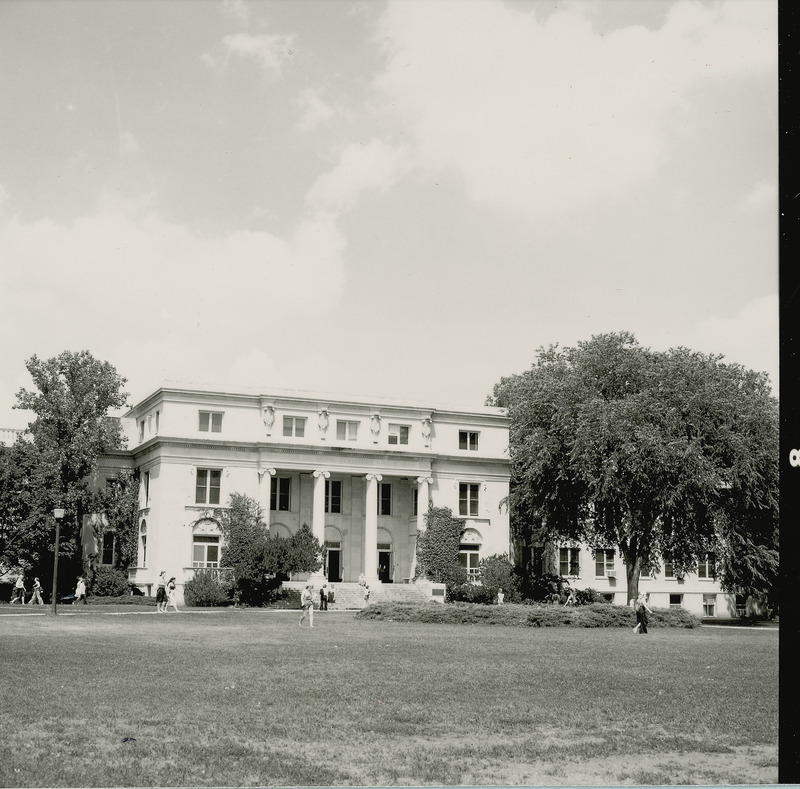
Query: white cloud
<point x="748" y="337"/>
<point x="181" y="302"/>
<point x="764" y="195"/>
<point x="374" y="166"/>
<point x="315" y="111"/>
<point x="545" y="116"/>
<point x="269" y="50"/>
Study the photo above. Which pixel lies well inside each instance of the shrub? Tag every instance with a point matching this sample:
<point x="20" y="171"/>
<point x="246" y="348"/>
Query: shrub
<point x="497" y="572"/>
<point x="534" y="615"/>
<point x="109" y="582"/>
<point x="437" y="548"/>
<point x="472" y="593"/>
<point x="208" y="589"/>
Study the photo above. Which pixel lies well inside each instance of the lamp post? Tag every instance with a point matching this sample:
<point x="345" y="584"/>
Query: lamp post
<point x="58" y="514"/>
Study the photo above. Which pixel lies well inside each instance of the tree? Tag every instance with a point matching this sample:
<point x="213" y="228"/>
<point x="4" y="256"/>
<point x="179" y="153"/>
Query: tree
<point x="257" y="559"/>
<point x="73" y="395"/>
<point x="661" y="454"/>
<point x="438" y="548"/>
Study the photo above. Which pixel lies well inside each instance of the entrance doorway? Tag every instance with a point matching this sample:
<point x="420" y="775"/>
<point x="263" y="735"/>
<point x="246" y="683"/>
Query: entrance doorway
<point x="334" y="565"/>
<point x="385" y="567"/>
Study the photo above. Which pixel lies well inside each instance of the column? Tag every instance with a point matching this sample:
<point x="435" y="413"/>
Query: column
<point x="318" y="518"/>
<point x="265" y="476"/>
<point x="371" y="529"/>
<point x="423" y="496"/>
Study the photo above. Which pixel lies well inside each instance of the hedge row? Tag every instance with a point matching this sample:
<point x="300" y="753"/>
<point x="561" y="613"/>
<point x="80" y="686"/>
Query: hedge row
<point x="535" y="615"/>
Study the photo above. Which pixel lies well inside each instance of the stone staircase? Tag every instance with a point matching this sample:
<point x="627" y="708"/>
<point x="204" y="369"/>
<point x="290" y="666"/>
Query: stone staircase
<point x="350" y="596"/>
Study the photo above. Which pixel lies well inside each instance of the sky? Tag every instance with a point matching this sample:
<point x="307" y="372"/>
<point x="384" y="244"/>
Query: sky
<point x="402" y="199"/>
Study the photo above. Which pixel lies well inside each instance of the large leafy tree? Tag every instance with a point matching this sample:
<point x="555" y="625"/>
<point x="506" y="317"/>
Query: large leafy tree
<point x="71" y="400"/>
<point x="659" y="454"/>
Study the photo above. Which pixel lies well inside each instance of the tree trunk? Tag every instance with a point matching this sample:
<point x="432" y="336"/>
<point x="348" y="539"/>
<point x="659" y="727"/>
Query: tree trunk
<point x="633" y="569"/>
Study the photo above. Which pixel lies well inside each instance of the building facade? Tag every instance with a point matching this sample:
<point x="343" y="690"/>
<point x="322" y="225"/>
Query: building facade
<point x="359" y="474"/>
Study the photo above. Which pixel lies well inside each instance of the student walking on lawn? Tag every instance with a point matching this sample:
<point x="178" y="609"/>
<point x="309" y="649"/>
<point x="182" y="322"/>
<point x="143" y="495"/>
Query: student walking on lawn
<point x="307" y="604"/>
<point x="19" y="590"/>
<point x="640" y="606"/>
<point x="172" y="596"/>
<point x="37" y="593"/>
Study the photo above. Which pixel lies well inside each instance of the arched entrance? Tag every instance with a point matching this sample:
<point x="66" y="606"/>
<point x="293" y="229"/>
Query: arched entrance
<point x="385" y="557"/>
<point x="333" y="553"/>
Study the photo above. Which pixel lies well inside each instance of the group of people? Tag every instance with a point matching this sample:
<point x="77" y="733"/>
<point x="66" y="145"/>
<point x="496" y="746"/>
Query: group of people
<point x="166" y="594"/>
<point x="19" y="592"/>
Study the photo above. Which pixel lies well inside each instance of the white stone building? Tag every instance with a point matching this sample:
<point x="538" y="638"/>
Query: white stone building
<point x="359" y="473"/>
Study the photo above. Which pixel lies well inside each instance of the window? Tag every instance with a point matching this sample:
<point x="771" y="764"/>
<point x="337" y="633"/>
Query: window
<point x="709" y="604"/>
<point x="346" y="431"/>
<point x="107" y="551"/>
<point x="141" y="430"/>
<point x="209" y="481"/>
<point x="705" y="567"/>
<point x="569" y="561"/>
<point x="468" y="499"/>
<point x="468" y="439"/>
<point x="469" y="558"/>
<point x="604" y="563"/>
<point x="205" y="551"/>
<point x="415" y="501"/>
<point x="294" y="426"/>
<point x="158" y="420"/>
<point x="384" y="498"/>
<point x="280" y="494"/>
<point x="143" y="544"/>
<point x="669" y="570"/>
<point x="210" y="421"/>
<point x="676" y="601"/>
<point x="146" y="489"/>
<point x="333" y="495"/>
<point x="398" y="434"/>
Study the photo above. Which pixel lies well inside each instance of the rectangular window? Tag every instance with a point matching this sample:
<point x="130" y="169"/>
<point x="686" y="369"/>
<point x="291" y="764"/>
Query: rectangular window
<point x="205" y="551"/>
<point x="384" y="498"/>
<point x="604" y="563"/>
<point x="107" y="553"/>
<point x="209" y="481"/>
<point x="709" y="604"/>
<point x="468" y="499"/>
<point x="569" y="562"/>
<point x="346" y="431"/>
<point x="146" y="489"/>
<point x="280" y="494"/>
<point x="294" y="426"/>
<point x="468" y="439"/>
<point x="158" y="420"/>
<point x="669" y="570"/>
<point x="141" y="430"/>
<point x="676" y="601"/>
<point x="705" y="567"/>
<point x="333" y="495"/>
<point x="210" y="421"/>
<point x="398" y="434"/>
<point x="414" y="501"/>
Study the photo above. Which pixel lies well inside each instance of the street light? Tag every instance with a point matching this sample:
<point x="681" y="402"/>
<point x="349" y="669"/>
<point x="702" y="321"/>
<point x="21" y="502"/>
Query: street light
<point x="58" y="514"/>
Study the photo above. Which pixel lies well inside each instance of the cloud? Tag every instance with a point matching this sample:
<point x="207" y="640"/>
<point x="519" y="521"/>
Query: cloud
<point x="764" y="195"/>
<point x="374" y="166"/>
<point x="545" y="116"/>
<point x="315" y="111"/>
<point x="237" y="10"/>
<point x="748" y="337"/>
<point x="269" y="50"/>
<point x="131" y="283"/>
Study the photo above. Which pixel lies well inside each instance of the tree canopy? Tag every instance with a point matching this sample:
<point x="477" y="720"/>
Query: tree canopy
<point x="665" y="455"/>
<point x="51" y="465"/>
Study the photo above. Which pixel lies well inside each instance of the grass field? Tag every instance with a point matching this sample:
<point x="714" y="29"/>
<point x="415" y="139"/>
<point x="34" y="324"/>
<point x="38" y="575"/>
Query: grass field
<point x="246" y="697"/>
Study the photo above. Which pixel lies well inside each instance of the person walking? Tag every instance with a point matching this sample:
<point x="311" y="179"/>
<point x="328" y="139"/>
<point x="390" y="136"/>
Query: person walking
<point x="367" y="594"/>
<point x="80" y="591"/>
<point x="36" y="597"/>
<point x="323" y="598"/>
<point x="19" y="590"/>
<point x="331" y="594"/>
<point x="642" y="610"/>
<point x="161" y="593"/>
<point x="172" y="596"/>
<point x="307" y="604"/>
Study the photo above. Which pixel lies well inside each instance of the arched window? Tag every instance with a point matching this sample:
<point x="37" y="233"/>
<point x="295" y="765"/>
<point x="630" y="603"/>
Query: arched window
<point x="469" y="552"/>
<point x="206" y="543"/>
<point x="142" y="559"/>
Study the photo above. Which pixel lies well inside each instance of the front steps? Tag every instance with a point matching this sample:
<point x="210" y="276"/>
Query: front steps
<point x="350" y="596"/>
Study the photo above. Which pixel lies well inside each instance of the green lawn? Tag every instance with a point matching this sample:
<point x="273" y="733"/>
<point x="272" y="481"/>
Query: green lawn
<point x="245" y="697"/>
